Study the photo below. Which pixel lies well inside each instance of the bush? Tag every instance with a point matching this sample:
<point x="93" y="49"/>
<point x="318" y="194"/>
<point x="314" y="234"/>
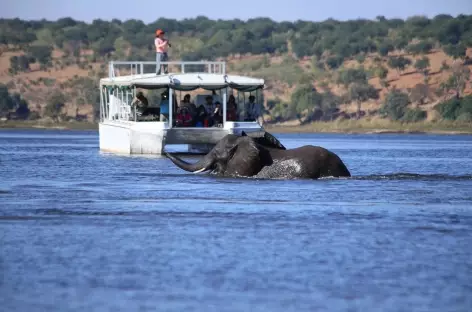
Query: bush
<point x="334" y="62"/>
<point x="453" y="108"/>
<point x="350" y="75"/>
<point x="55" y="102"/>
<point x="465" y="117"/>
<point x="395" y="105"/>
<point x="414" y="115"/>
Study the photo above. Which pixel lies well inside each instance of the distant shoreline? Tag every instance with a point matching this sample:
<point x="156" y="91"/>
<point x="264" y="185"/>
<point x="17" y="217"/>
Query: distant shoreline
<point x="344" y="127"/>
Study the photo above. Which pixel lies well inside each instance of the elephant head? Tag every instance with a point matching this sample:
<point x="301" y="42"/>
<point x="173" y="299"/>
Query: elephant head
<point x="232" y="155"/>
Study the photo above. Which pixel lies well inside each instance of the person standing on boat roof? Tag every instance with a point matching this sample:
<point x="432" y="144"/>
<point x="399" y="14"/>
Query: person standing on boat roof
<point x="162" y="45"/>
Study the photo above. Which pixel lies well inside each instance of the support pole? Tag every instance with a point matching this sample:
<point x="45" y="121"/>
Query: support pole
<point x="171" y="106"/>
<point x="102" y="105"/>
<point x="224" y="106"/>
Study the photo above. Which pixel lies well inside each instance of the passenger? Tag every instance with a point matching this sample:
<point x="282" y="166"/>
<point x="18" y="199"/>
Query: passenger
<point x="191" y="106"/>
<point x="209" y="104"/>
<point x="253" y="110"/>
<point x="201" y="119"/>
<point x="232" y="107"/>
<point x="140" y="103"/>
<point x="231" y="112"/>
<point x="162" y="45"/>
<point x="217" y="115"/>
<point x="184" y="119"/>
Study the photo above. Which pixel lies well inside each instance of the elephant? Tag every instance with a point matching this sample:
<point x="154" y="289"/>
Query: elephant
<point x="247" y="156"/>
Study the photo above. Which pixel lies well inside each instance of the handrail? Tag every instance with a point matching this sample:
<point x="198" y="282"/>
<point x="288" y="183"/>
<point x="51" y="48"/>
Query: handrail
<point x="137" y="67"/>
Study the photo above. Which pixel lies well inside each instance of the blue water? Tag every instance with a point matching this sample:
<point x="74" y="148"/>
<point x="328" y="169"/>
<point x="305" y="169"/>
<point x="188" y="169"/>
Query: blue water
<point x="86" y="231"/>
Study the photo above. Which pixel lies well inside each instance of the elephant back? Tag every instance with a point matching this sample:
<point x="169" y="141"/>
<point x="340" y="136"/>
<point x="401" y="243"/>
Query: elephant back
<point x="264" y="138"/>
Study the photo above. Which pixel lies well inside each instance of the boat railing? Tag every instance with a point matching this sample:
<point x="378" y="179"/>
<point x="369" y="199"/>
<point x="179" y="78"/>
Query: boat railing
<point x="120" y="68"/>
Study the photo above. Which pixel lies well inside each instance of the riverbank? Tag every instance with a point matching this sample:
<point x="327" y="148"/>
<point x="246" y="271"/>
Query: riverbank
<point x="346" y="126"/>
<point x="34" y="124"/>
<point x="375" y="126"/>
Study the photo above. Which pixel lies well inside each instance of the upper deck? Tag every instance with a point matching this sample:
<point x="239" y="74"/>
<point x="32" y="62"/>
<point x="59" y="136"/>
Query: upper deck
<point x="183" y="76"/>
<point x="121" y="68"/>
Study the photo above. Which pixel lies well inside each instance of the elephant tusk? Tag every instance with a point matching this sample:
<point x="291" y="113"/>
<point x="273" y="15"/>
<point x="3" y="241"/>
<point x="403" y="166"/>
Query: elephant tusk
<point x="201" y="170"/>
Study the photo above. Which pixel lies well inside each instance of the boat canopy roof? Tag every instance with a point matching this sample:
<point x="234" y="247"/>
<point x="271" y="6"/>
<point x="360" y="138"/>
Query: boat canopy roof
<point x="184" y="82"/>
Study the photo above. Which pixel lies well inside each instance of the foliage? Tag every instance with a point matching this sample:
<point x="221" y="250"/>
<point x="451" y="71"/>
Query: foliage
<point x="414" y="115"/>
<point x="381" y="72"/>
<point x="456" y="51"/>
<point x="351" y="75"/>
<point x="395" y="105"/>
<point x="255" y="36"/>
<point x="361" y="92"/>
<point x="334" y="62"/>
<point x="399" y="63"/>
<point x="458" y="80"/>
<point x="12" y="103"/>
<point x="19" y="63"/>
<point x="455" y="108"/>
<point x="55" y="102"/>
<point x="42" y="54"/>
<point x="422" y="65"/>
<point x="422" y="47"/>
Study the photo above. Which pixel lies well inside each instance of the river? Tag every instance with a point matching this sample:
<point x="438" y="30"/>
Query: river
<point x="86" y="231"/>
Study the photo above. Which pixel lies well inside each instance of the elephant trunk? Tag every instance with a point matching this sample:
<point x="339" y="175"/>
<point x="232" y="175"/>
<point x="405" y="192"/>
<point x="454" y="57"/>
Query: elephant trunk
<point x="203" y="164"/>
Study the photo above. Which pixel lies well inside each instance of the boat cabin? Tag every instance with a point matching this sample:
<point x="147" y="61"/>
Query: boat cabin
<point x="197" y="104"/>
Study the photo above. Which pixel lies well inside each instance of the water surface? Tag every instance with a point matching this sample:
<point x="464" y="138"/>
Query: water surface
<point x="86" y="231"/>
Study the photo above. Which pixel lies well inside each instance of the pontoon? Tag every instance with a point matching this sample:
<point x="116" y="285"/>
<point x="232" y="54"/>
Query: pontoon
<point x="122" y="130"/>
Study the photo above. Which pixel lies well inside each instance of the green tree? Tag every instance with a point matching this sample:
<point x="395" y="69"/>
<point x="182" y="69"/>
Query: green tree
<point x="456" y="51"/>
<point x="55" y="102"/>
<point x="351" y="75"/>
<point x="42" y="54"/>
<point x="361" y="92"/>
<point x="334" y="62"/>
<point x="385" y="48"/>
<point x="20" y="106"/>
<point x="422" y="66"/>
<point x="458" y="80"/>
<point x="422" y="47"/>
<point x="305" y="98"/>
<point x="395" y="105"/>
<point x="399" y="63"/>
<point x="414" y="115"/>
<point x="6" y="103"/>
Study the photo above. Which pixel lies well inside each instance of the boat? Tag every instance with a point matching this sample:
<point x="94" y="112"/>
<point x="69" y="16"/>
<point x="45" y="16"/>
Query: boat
<point x="123" y="131"/>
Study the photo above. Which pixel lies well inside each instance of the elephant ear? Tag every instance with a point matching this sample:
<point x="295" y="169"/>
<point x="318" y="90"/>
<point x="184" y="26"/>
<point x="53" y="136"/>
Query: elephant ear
<point x="245" y="159"/>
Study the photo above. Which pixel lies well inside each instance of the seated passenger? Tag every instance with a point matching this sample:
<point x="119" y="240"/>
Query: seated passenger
<point x="217" y="115"/>
<point x="232" y="109"/>
<point x="140" y="104"/>
<point x="253" y="110"/>
<point x="209" y="104"/>
<point x="189" y="105"/>
<point x="184" y="119"/>
<point x="201" y="117"/>
<point x="231" y="112"/>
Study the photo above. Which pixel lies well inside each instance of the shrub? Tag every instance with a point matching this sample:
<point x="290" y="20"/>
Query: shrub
<point x="414" y="115"/>
<point x="395" y="105"/>
<point x="465" y="117"/>
<point x="453" y="108"/>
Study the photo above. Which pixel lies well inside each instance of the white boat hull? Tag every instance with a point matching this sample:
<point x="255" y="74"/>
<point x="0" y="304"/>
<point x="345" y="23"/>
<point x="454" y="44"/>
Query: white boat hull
<point x="150" y="138"/>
